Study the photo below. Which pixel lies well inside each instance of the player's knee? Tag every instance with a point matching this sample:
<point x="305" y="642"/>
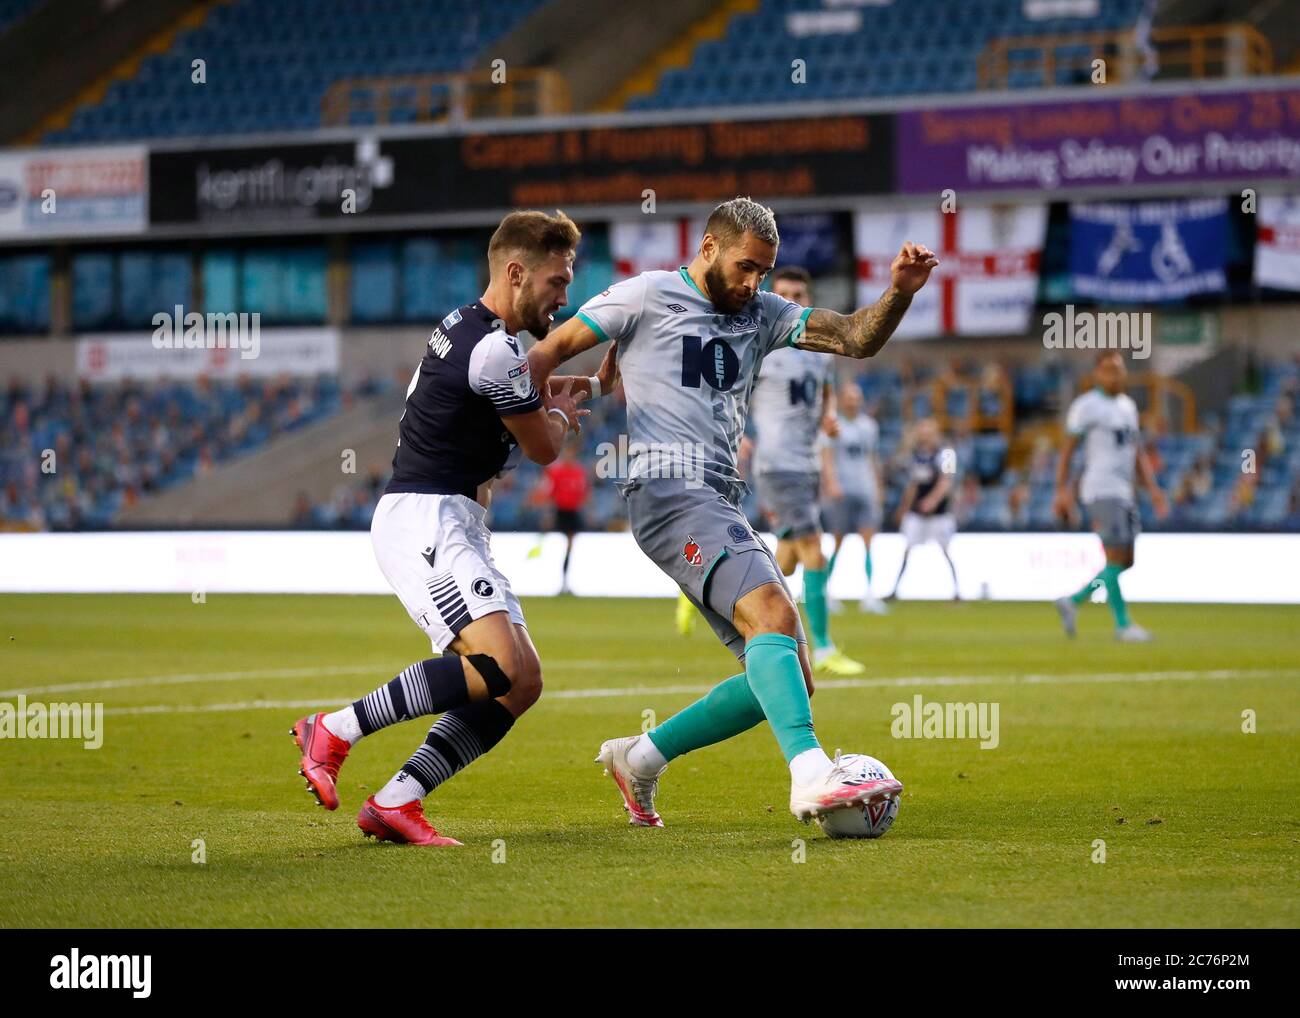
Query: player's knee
<point x="777" y="614"/>
<point x="527" y="687"/>
<point x="500" y="671"/>
<point x="810" y="552"/>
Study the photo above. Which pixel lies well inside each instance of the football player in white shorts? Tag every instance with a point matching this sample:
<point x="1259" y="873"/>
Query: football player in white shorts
<point x="471" y="412"/>
<point x="925" y="511"/>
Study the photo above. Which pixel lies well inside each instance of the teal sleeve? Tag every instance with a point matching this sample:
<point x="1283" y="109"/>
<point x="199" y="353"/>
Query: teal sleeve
<point x="591" y="324"/>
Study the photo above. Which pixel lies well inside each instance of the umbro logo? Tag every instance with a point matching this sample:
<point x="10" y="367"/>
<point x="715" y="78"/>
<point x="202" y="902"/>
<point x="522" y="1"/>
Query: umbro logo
<point x="676" y="308"/>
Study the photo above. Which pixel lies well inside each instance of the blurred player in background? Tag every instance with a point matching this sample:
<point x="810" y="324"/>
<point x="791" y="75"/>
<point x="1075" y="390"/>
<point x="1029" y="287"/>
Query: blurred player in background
<point x="690" y="346"/>
<point x="793" y="400"/>
<point x="852" y="492"/>
<point x="925" y="510"/>
<point x="1105" y="420"/>
<point x="471" y="412"/>
<point x="565" y="487"/>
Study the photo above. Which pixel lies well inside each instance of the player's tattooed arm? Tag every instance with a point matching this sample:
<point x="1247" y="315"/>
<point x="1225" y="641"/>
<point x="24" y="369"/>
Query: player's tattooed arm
<point x="865" y="332"/>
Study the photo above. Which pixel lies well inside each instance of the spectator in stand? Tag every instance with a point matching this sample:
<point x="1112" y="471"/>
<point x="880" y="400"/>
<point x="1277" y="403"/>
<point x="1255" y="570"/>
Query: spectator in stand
<point x="566" y="487"/>
<point x="1243" y="497"/>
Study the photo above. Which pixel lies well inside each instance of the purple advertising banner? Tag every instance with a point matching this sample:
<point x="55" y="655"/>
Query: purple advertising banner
<point x="1206" y="136"/>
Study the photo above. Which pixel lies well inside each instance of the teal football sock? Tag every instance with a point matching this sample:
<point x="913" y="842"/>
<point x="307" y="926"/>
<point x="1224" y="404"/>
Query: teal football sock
<point x="1085" y="592"/>
<point x="776" y="680"/>
<point x="1110" y="576"/>
<point x="814" y="599"/>
<point x="728" y="709"/>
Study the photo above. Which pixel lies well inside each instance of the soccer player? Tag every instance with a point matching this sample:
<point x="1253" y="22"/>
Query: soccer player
<point x="1105" y="419"/>
<point x="925" y="511"/>
<point x="471" y="410"/>
<point x="793" y="399"/>
<point x="690" y="344"/>
<point x="851" y="482"/>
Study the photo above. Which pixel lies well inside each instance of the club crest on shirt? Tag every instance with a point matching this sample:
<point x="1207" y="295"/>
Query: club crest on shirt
<point x="740" y="323"/>
<point x="482" y="587"/>
<point x="692" y="553"/>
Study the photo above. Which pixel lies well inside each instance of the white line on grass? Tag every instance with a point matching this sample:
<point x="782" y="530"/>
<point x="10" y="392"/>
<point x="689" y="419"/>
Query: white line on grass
<point x="919" y="681"/>
<point x="377" y="670"/>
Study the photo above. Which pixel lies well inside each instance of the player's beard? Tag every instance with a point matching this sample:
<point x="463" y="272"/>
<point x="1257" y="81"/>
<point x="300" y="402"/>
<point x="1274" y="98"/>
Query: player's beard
<point x="715" y="284"/>
<point x="529" y="312"/>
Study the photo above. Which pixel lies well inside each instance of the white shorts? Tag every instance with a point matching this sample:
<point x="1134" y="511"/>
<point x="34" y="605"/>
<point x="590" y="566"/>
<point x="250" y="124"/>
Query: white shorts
<point x="918" y="529"/>
<point x="434" y="551"/>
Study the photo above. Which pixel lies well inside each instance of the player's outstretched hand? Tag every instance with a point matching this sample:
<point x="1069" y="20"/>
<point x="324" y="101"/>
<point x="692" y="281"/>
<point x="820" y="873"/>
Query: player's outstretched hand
<point x="831" y="425"/>
<point x="912" y="267"/>
<point x="1160" y="503"/>
<point x="563" y="398"/>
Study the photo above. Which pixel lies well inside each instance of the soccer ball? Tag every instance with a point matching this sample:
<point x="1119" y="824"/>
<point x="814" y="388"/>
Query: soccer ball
<point x="870" y="821"/>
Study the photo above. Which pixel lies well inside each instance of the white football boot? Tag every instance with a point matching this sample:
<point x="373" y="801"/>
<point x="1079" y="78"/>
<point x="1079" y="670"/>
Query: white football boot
<point x="637" y="789"/>
<point x="873" y="605"/>
<point x="839" y="790"/>
<point x="1133" y="633"/>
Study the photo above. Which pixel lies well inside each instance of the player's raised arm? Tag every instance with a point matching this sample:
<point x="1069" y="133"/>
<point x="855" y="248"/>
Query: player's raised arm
<point x="867" y="330"/>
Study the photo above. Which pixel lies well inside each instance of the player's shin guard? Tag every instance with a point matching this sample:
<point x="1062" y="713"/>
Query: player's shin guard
<point x="455" y="741"/>
<point x="776" y="680"/>
<point x="728" y="709"/>
<point x="426" y="687"/>
<point x="814" y="597"/>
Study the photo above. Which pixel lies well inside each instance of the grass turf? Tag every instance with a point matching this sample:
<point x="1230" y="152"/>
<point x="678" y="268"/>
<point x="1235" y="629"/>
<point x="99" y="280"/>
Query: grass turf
<point x="1140" y="746"/>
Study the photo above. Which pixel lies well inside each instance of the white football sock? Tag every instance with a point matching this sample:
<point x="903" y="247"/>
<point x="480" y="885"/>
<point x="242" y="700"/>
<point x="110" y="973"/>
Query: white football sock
<point x="400" y="790"/>
<point x="810" y="766"/>
<point x="645" y="758"/>
<point x="344" y="724"/>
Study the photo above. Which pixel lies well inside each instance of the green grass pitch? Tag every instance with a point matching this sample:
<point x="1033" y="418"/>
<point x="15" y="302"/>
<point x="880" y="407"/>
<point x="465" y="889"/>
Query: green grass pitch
<point x="1139" y="746"/>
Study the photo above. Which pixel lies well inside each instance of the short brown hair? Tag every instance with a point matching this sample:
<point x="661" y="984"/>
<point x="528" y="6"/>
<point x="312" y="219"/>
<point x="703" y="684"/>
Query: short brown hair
<point x="733" y="219"/>
<point x="795" y="273"/>
<point x="534" y="235"/>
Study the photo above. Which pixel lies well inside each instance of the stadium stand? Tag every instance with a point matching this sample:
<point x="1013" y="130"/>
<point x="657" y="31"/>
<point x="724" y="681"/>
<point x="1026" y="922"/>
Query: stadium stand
<point x="75" y="455"/>
<point x="270" y="64"/>
<point x="858" y="51"/>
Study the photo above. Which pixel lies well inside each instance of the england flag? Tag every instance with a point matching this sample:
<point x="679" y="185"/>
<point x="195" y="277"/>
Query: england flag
<point x="652" y="242"/>
<point x="987" y="277"/>
<point x="1277" y="250"/>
